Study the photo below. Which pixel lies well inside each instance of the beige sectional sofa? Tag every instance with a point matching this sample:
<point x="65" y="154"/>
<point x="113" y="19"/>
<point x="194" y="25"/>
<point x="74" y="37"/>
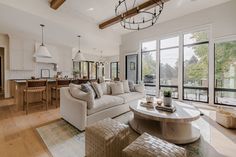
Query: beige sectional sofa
<point x="76" y="111"/>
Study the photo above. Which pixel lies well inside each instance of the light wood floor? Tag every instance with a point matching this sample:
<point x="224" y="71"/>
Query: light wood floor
<point x="19" y="139"/>
<point x="17" y="134"/>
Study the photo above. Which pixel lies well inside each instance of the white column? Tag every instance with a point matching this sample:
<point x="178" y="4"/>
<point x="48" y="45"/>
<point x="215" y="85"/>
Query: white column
<point x="211" y="68"/>
<point x="181" y="66"/>
<point x="158" y="68"/>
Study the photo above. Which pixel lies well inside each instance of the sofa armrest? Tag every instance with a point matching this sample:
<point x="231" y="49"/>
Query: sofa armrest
<point x="73" y="110"/>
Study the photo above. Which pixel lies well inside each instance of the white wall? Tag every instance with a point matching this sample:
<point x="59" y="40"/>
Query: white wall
<point x="220" y="19"/>
<point x="64" y="57"/>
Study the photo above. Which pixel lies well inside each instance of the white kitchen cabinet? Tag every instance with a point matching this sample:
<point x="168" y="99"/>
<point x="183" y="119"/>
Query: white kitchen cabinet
<point x="21" y="53"/>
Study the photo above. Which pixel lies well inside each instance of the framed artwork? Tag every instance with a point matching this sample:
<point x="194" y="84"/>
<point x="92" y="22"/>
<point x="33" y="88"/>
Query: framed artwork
<point x="132" y="65"/>
<point x="45" y="73"/>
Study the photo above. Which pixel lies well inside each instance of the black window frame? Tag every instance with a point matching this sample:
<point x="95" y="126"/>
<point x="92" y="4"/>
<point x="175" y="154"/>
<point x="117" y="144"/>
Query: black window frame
<point x="159" y="57"/>
<point x="141" y="56"/>
<point x="183" y="72"/>
<point x="220" y="89"/>
<point x="126" y="73"/>
<point x="117" y="69"/>
<point x="88" y="70"/>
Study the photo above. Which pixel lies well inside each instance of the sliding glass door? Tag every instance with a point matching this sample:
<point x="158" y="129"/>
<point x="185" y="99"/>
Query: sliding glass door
<point x="131" y="72"/>
<point x="225" y="73"/>
<point x="195" y="83"/>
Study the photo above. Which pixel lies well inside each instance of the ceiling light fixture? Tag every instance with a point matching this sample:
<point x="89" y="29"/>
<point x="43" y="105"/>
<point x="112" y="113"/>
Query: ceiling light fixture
<point x="91" y="9"/>
<point x="144" y="19"/>
<point x="42" y="51"/>
<point x="79" y="56"/>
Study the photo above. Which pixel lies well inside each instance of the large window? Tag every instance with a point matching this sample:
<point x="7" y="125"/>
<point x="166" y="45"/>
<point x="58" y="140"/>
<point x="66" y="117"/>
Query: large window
<point x="169" y="57"/>
<point x="84" y="69"/>
<point x="114" y="70"/>
<point x="225" y="73"/>
<point x="100" y="69"/>
<point x="149" y="66"/>
<point x="92" y="70"/>
<point x="195" y="83"/>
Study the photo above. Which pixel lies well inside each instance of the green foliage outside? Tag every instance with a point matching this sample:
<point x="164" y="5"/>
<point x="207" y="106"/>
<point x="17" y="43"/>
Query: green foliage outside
<point x="224" y="59"/>
<point x="148" y="64"/>
<point x="196" y="68"/>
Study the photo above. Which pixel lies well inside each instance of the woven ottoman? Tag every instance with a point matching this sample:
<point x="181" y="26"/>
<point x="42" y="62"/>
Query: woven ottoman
<point x="150" y="146"/>
<point x="106" y="138"/>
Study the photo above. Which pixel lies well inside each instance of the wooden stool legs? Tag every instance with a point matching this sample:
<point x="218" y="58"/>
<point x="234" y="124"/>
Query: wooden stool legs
<point x="55" y="92"/>
<point x="26" y="100"/>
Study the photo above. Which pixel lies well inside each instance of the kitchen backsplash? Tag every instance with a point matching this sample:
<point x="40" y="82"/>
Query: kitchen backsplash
<point x="13" y="74"/>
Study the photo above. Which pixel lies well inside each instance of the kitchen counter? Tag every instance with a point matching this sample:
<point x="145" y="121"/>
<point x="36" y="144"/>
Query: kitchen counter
<point x="17" y="87"/>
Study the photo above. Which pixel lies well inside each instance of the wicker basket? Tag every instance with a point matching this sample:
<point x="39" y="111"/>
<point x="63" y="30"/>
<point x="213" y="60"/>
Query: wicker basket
<point x="107" y="138"/>
<point x="150" y="146"/>
<point x="226" y="119"/>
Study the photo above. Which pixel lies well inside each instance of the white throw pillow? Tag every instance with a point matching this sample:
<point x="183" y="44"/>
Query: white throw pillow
<point x="139" y="88"/>
<point x="117" y="88"/>
<point x="104" y="87"/>
<point x="108" y="88"/>
<point x="77" y="93"/>
<point x="98" y="89"/>
<point x="126" y="86"/>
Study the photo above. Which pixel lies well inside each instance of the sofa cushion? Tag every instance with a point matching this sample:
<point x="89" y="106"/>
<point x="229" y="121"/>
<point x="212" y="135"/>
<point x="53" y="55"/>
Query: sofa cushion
<point x="106" y="101"/>
<point x="128" y="97"/>
<point x="97" y="89"/>
<point x="139" y="88"/>
<point x="131" y="85"/>
<point x="126" y="86"/>
<point x="88" y="88"/>
<point x="77" y="93"/>
<point x="104" y="87"/>
<point x="117" y="88"/>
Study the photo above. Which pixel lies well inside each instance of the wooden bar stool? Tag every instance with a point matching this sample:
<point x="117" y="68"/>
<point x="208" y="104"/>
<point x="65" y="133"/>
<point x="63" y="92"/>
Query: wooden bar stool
<point x="55" y="91"/>
<point x="33" y="87"/>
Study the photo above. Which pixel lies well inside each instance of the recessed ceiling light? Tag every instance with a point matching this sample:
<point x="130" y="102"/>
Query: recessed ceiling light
<point x="90" y="9"/>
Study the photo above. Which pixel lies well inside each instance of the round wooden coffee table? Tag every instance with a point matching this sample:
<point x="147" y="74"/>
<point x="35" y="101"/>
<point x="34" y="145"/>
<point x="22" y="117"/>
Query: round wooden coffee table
<point x="174" y="127"/>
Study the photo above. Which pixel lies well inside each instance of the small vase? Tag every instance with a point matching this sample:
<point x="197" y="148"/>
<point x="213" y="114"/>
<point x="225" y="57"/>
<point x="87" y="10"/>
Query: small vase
<point x="167" y="101"/>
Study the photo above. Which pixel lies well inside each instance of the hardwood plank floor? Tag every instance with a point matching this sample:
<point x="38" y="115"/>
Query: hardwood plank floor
<point x="17" y="134"/>
<point x="18" y="137"/>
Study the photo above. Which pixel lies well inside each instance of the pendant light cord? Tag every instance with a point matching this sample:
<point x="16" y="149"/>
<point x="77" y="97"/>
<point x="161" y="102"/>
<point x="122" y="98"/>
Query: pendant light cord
<point x="42" y="34"/>
<point x="79" y="42"/>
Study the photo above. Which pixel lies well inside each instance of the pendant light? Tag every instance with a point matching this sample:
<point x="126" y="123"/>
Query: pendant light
<point x="101" y="60"/>
<point x="42" y="51"/>
<point x="79" y="56"/>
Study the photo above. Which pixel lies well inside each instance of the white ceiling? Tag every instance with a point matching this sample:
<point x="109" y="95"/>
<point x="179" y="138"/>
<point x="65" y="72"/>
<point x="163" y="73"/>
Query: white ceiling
<point x="81" y="17"/>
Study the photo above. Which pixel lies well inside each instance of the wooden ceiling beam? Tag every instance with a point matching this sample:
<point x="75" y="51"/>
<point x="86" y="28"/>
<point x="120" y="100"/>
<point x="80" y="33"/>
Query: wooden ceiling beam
<point x="55" y="4"/>
<point x="130" y="13"/>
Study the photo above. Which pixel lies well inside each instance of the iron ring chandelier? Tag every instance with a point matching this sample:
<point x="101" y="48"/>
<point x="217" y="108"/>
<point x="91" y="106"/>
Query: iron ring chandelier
<point x="144" y="18"/>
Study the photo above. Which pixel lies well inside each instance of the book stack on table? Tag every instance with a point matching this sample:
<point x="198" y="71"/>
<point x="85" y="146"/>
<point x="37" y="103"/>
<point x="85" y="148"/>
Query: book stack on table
<point x="171" y="109"/>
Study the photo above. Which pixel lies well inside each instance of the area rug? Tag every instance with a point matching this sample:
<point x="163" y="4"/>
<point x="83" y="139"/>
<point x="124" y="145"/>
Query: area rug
<point x="64" y="140"/>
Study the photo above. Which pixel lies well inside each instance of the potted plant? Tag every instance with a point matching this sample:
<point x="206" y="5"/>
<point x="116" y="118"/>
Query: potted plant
<point x="76" y="73"/>
<point x="167" y="99"/>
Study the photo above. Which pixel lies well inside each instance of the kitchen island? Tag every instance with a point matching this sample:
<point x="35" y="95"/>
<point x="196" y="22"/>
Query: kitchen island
<point x="17" y="87"/>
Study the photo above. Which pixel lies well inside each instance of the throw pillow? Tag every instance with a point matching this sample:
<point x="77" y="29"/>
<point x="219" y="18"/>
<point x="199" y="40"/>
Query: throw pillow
<point x="126" y="86"/>
<point x="109" y="88"/>
<point x="139" y="88"/>
<point x="104" y="87"/>
<point x="131" y="86"/>
<point x="77" y="93"/>
<point x="98" y="89"/>
<point x="87" y="88"/>
<point x="117" y="88"/>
